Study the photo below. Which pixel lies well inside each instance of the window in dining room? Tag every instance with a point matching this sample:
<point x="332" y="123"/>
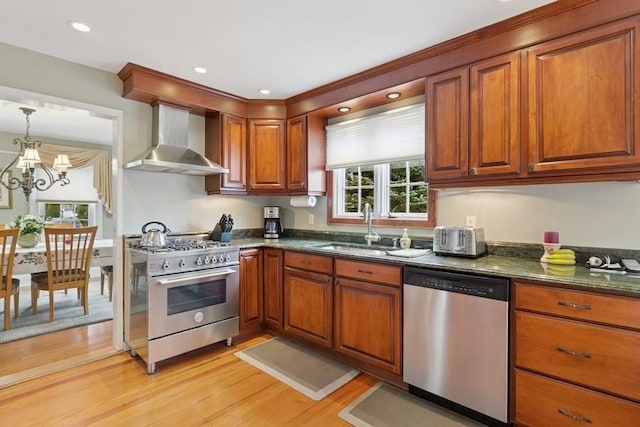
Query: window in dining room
<point x="77" y="214"/>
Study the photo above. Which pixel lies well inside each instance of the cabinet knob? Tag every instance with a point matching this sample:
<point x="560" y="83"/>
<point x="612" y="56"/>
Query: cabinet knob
<point x="532" y="167"/>
<point x="473" y="171"/>
<point x="462" y="172"/>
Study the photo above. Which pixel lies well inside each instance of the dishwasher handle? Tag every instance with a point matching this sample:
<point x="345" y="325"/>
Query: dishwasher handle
<point x="475" y="285"/>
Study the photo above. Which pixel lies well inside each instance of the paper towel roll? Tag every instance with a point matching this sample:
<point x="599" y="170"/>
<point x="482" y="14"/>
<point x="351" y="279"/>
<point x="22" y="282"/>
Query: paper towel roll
<point x="303" y="201"/>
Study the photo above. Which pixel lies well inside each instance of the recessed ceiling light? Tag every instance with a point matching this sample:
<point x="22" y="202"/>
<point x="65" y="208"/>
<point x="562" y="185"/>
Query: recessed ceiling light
<point x="200" y="70"/>
<point x="264" y="91"/>
<point x="344" y="109"/>
<point x="79" y="26"/>
<point x="393" y="95"/>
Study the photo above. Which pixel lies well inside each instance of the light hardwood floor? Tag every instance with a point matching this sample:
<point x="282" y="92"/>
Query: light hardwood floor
<point x="33" y="357"/>
<point x="210" y="386"/>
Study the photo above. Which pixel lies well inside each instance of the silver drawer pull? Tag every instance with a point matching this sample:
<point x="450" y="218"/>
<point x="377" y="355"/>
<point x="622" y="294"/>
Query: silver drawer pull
<point x="574" y="353"/>
<point x="365" y="271"/>
<point x="578" y="306"/>
<point x="575" y="417"/>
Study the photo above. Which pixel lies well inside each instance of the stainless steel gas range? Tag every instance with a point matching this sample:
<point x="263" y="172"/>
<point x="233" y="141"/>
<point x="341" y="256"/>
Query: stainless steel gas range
<point x="180" y="297"/>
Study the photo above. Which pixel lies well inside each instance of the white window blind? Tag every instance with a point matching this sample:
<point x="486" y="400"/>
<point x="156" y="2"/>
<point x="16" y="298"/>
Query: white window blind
<point x="394" y="135"/>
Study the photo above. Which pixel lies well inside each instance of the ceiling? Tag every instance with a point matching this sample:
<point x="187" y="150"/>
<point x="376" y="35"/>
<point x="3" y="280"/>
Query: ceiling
<point x="286" y="46"/>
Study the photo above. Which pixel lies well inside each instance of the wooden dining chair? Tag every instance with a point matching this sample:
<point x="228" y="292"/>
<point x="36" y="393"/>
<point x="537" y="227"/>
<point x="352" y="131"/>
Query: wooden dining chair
<point x="10" y="286"/>
<point x="69" y="252"/>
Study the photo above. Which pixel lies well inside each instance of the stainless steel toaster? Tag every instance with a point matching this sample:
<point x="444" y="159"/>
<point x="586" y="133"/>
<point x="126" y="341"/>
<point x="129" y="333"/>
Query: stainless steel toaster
<point x="459" y="241"/>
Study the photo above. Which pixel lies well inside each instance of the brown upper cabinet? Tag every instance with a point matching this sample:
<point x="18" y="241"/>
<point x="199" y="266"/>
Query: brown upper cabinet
<point x="266" y="155"/>
<point x="226" y="144"/>
<point x="584" y="101"/>
<point x="473" y="121"/>
<point x="306" y="155"/>
<point x="269" y="158"/>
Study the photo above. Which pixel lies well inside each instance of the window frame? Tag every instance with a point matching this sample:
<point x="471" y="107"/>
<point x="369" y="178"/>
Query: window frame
<point x="400" y="221"/>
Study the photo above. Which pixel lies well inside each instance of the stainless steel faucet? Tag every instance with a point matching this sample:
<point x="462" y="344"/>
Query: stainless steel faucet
<point x="371" y="235"/>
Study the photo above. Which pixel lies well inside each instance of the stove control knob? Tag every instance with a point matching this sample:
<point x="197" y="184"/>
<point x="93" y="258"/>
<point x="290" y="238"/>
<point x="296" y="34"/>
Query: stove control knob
<point x="165" y="265"/>
<point x="199" y="261"/>
<point x="228" y="259"/>
<point x="198" y="317"/>
<point x="221" y="259"/>
<point x="207" y="260"/>
<point x="214" y="259"/>
<point x="182" y="263"/>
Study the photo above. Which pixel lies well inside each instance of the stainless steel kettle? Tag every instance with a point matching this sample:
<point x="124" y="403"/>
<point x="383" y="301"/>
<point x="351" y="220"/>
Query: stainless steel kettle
<point x="154" y="237"/>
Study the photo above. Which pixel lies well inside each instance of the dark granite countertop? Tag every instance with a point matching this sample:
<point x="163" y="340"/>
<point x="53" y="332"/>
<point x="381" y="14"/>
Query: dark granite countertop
<point x="502" y="266"/>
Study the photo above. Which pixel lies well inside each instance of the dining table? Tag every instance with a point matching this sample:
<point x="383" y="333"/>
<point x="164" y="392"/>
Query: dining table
<point x="34" y="260"/>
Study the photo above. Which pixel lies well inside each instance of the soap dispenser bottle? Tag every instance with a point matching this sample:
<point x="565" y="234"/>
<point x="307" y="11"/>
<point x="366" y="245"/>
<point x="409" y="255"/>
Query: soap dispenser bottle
<point x="405" y="241"/>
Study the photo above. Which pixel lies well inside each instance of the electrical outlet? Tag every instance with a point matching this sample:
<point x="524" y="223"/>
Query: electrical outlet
<point x="311" y="219"/>
<point x="471" y="221"/>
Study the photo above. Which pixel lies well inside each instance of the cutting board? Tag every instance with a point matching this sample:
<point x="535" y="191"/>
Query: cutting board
<point x="409" y="252"/>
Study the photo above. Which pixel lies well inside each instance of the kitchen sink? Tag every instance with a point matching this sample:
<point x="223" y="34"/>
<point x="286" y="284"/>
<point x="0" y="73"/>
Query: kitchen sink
<point x="354" y="248"/>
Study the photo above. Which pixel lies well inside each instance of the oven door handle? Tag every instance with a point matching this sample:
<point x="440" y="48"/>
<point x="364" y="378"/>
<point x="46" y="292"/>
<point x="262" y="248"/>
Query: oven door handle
<point x="209" y="275"/>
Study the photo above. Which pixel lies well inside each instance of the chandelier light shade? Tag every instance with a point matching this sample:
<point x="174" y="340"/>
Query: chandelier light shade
<point x="27" y="160"/>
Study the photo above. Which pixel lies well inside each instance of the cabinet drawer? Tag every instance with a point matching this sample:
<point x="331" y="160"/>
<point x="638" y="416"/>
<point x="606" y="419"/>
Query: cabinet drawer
<point x="596" y="356"/>
<point x="545" y="402"/>
<point x="610" y="309"/>
<point x="305" y="261"/>
<point x="370" y="272"/>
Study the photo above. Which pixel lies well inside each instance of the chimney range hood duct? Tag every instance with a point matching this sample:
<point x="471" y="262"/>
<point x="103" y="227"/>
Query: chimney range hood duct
<point x="169" y="150"/>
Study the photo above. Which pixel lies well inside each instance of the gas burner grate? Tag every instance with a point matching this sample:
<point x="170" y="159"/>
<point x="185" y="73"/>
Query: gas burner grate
<point x="184" y="245"/>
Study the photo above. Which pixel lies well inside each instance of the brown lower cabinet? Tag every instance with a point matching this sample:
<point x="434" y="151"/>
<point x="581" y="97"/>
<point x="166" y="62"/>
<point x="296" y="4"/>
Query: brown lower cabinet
<point x="273" y="260"/>
<point x="251" y="293"/>
<point x="368" y="322"/>
<point x="576" y="357"/>
<point x="308" y="297"/>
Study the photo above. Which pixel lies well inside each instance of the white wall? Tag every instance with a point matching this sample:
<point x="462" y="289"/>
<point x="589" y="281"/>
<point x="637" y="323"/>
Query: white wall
<point x="604" y="214"/>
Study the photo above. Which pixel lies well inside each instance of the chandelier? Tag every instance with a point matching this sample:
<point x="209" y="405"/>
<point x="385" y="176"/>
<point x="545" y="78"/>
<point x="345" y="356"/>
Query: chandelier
<point x="27" y="160"/>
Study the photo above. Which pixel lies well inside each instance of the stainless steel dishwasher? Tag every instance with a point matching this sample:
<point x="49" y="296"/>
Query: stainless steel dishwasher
<point x="456" y="337"/>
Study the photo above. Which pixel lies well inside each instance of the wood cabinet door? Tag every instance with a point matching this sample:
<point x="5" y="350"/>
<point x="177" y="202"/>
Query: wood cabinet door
<point x="267" y="167"/>
<point x="226" y="144"/>
<point x="308" y="305"/>
<point x="494" y="134"/>
<point x="368" y="323"/>
<point x="234" y="152"/>
<point x="297" y="154"/>
<point x="584" y="100"/>
<point x="251" y="293"/>
<point x="273" y="288"/>
<point x="447" y="105"/>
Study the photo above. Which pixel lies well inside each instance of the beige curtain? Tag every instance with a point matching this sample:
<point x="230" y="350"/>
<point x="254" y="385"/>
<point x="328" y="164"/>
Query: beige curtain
<point x="83" y="157"/>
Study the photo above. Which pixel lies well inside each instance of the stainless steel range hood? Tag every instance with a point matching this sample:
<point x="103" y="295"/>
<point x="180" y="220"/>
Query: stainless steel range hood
<point x="169" y="151"/>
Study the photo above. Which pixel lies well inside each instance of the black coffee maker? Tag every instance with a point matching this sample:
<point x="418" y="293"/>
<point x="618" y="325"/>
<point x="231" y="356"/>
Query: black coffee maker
<point x="272" y="223"/>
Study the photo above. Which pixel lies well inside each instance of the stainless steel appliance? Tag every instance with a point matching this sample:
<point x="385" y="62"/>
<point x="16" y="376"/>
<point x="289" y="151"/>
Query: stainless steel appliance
<point x="272" y="223"/>
<point x="455" y="349"/>
<point x="180" y="297"/>
<point x="459" y="240"/>
<point x="169" y="151"/>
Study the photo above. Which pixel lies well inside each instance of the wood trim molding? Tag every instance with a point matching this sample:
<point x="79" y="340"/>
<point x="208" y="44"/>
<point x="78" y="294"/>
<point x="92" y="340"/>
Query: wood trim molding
<point x="550" y="21"/>
<point x="149" y="86"/>
<point x="366" y="89"/>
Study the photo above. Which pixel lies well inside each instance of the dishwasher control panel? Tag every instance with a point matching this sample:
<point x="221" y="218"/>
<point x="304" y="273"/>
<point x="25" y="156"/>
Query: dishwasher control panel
<point x="480" y="286"/>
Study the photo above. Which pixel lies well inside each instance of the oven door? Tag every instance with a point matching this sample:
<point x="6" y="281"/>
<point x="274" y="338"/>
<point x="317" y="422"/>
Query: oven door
<point x="184" y="301"/>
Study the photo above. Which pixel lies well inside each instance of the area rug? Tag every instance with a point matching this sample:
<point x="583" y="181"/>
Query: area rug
<point x="306" y="371"/>
<point x="68" y="312"/>
<point x="383" y="405"/>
